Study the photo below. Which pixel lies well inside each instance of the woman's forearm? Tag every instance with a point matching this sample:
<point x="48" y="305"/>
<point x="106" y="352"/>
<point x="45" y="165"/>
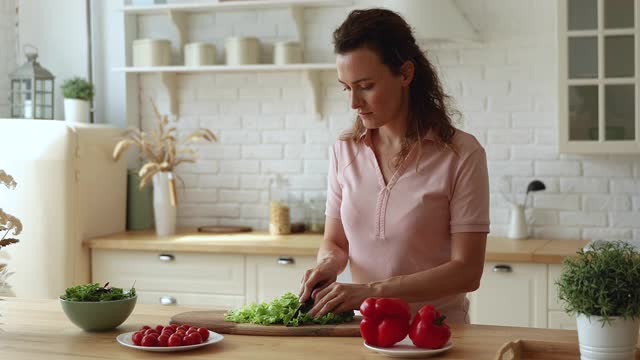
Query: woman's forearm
<point x="450" y="278"/>
<point x="332" y="255"/>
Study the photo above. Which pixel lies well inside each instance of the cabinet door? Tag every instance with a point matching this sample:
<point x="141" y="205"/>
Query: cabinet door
<point x="269" y="277"/>
<point x="557" y="318"/>
<point x="219" y="274"/>
<point x="512" y="295"/>
<point x="560" y="320"/>
<point x="598" y="80"/>
<point x="172" y="298"/>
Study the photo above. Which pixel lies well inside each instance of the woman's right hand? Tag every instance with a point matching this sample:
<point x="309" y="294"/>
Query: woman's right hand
<point x="322" y="275"/>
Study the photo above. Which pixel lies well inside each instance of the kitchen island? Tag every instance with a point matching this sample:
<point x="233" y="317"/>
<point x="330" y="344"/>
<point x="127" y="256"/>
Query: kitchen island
<point x="38" y="329"/>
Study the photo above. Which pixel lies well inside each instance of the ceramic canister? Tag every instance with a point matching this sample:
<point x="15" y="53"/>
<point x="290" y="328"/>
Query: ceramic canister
<point x="151" y="52"/>
<point x="287" y="52"/>
<point x="242" y="50"/>
<point x="198" y="54"/>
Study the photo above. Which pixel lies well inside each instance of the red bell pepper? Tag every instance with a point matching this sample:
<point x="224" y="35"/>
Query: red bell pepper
<point x="428" y="329"/>
<point x="385" y="322"/>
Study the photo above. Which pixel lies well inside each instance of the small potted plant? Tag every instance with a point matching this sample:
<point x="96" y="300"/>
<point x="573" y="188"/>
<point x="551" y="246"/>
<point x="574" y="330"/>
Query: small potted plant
<point x="8" y="223"/>
<point x="77" y="93"/>
<point x="162" y="150"/>
<point x="602" y="286"/>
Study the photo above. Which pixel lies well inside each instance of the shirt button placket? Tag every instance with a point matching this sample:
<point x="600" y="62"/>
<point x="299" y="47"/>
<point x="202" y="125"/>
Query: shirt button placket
<point x="381" y="212"/>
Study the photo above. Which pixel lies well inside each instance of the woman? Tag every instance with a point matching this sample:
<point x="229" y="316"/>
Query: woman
<point x="408" y="194"/>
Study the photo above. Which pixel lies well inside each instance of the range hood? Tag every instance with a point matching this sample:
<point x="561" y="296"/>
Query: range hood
<point x="439" y="21"/>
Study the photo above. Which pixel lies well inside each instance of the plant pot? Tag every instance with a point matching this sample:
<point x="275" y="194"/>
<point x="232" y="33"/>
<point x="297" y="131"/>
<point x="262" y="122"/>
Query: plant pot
<point x="611" y="341"/>
<point x="76" y="111"/>
<point x="165" y="210"/>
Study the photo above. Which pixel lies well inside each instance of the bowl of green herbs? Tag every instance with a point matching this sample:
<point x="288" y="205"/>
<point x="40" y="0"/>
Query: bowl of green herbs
<point x="92" y="307"/>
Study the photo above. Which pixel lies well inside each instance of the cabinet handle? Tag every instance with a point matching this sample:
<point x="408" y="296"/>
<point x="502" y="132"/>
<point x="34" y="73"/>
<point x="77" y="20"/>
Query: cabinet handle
<point x="166" y="257"/>
<point x="167" y="300"/>
<point x="502" y="269"/>
<point x="286" y="260"/>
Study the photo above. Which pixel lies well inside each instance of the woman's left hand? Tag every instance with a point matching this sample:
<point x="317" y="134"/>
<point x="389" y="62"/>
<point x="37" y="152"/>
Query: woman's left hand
<point x="339" y="297"/>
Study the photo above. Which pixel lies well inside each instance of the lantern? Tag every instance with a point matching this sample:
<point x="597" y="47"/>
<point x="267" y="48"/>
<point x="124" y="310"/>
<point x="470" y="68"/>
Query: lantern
<point x="31" y="90"/>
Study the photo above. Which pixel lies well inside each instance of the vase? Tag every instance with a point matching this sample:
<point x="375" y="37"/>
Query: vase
<point x="518" y="227"/>
<point x="165" y="209"/>
<point x="611" y="341"/>
<point x="76" y="111"/>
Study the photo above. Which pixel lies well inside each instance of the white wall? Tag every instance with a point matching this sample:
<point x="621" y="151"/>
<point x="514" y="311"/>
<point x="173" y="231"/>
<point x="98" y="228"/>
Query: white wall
<point x="506" y="88"/>
<point x="58" y="29"/>
<point x="8" y="54"/>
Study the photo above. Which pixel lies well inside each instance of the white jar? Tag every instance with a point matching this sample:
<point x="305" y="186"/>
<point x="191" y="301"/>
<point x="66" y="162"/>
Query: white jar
<point x="287" y="52"/>
<point x="199" y="54"/>
<point x="242" y="50"/>
<point x="151" y="52"/>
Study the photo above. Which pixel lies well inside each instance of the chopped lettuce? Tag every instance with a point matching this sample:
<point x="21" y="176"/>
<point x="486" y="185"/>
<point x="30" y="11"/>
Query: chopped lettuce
<point x="94" y="293"/>
<point x="281" y="311"/>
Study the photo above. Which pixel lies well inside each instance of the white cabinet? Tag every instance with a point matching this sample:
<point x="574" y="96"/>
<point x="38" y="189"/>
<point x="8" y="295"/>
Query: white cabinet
<point x="271" y="276"/>
<point x="216" y="280"/>
<point x="221" y="281"/>
<point x="598" y="80"/>
<point x="511" y="294"/>
<point x="557" y="318"/>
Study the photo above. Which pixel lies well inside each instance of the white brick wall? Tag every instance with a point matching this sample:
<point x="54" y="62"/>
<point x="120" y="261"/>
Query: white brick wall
<point x="506" y="88"/>
<point x="8" y="54"/>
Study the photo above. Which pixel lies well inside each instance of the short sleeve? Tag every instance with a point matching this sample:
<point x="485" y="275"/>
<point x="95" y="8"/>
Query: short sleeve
<point x="334" y="190"/>
<point x="469" y="204"/>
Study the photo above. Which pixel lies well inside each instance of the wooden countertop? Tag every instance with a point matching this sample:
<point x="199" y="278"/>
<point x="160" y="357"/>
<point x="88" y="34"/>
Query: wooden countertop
<point x="38" y="329"/>
<point x="261" y="243"/>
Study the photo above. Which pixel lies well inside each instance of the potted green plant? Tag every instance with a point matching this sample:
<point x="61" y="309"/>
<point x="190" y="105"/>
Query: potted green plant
<point x="77" y="93"/>
<point x="601" y="285"/>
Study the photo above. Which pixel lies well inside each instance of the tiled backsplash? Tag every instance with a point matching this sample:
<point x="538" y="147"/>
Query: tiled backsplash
<point x="506" y="89"/>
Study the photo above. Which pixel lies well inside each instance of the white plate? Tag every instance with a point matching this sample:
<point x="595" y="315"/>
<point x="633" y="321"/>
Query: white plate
<point x="125" y="340"/>
<point x="406" y="349"/>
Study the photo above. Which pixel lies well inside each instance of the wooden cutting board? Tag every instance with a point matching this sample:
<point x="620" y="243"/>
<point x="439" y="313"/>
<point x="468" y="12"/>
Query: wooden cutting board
<point x="214" y="321"/>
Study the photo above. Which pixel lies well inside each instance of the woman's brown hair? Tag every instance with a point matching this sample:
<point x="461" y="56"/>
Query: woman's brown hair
<point x="388" y="34"/>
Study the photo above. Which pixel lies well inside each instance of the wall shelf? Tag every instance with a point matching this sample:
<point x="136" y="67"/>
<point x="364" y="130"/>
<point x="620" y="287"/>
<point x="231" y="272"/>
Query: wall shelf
<point x="178" y="17"/>
<point x="168" y="76"/>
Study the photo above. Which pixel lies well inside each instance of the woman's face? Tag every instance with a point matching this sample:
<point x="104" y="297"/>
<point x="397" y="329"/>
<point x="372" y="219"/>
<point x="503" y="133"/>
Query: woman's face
<point x="379" y="96"/>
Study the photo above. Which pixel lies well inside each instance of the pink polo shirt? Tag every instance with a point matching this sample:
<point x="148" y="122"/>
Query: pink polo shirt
<point x="405" y="226"/>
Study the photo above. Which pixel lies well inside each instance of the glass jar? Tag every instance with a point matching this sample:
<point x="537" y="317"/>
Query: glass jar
<point x="316" y="216"/>
<point x="279" y="218"/>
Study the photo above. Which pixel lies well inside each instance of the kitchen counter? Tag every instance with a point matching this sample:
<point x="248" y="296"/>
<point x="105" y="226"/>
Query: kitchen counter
<point x="261" y="243"/>
<point x="33" y="329"/>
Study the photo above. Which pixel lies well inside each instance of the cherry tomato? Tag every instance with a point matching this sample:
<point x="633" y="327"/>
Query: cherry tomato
<point x="197" y="337"/>
<point x="159" y="328"/>
<point x="175" y="340"/>
<point x="204" y="332"/>
<point x="183" y="327"/>
<point x="149" y="340"/>
<point x="188" y="340"/>
<point x="150" y="331"/>
<point x="181" y="332"/>
<point x="136" y="338"/>
<point x="145" y="327"/>
<point x="163" y="340"/>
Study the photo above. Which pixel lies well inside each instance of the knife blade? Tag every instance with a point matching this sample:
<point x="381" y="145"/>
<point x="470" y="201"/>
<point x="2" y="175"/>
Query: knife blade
<point x="307" y="304"/>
